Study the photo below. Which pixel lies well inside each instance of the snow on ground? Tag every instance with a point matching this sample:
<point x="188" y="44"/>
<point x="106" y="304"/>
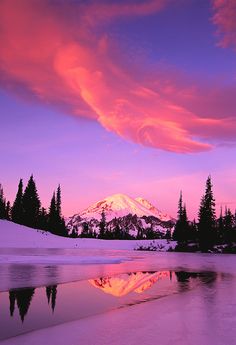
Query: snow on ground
<point x="18" y="236"/>
<point x="15" y="236"/>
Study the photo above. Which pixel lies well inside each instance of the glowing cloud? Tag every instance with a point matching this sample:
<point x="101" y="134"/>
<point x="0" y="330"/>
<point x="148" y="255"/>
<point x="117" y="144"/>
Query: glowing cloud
<point x="58" y="53"/>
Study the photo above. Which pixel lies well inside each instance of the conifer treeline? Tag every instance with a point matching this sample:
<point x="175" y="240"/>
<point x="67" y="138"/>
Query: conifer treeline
<point x="210" y="231"/>
<point x="27" y="209"/>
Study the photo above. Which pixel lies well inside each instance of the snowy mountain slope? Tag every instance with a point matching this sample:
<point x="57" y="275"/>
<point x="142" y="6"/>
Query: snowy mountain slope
<point x="155" y="212"/>
<point x="135" y="217"/>
<point x="117" y="205"/>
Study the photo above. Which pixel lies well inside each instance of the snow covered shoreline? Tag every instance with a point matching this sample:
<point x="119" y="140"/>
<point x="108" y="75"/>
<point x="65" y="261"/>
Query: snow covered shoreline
<point x="22" y="245"/>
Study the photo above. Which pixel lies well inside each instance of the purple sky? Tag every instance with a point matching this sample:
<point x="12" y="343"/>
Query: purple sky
<point x="134" y="97"/>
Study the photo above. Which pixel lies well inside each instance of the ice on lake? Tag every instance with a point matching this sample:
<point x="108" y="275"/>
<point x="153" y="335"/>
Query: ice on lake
<point x="128" y="298"/>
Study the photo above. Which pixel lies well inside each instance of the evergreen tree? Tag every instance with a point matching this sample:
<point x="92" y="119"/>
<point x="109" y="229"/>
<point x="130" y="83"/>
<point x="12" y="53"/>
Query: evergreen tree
<point x="8" y="211"/>
<point x="58" y="201"/>
<point x="61" y="222"/>
<point x="178" y="226"/>
<point x="180" y="206"/>
<point x="207" y="219"/>
<point x="102" y="225"/>
<point x="117" y="232"/>
<point x="56" y="223"/>
<point x="85" y="230"/>
<point x="43" y="219"/>
<point x="17" y="208"/>
<point x="52" y="216"/>
<point x="193" y="231"/>
<point x="228" y="221"/>
<point x="2" y="204"/>
<point x="220" y="228"/>
<point x="182" y="231"/>
<point x="74" y="232"/>
<point x="31" y="204"/>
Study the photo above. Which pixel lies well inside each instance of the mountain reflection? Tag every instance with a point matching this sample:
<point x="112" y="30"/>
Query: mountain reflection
<point x="122" y="285"/>
<point x="23" y="298"/>
<point x="117" y="286"/>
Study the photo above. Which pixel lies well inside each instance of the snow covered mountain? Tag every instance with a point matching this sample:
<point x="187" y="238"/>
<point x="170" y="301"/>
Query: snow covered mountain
<point x="120" y="205"/>
<point x="133" y="216"/>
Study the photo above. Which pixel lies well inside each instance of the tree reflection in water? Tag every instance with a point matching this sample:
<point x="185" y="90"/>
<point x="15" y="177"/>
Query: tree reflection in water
<point x="23" y="298"/>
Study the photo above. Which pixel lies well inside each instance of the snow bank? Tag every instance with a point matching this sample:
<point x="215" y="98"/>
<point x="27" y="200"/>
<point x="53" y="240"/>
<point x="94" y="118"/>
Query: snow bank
<point x="18" y="236"/>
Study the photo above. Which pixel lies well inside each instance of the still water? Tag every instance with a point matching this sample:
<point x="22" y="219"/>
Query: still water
<point x="36" y="293"/>
<point x="27" y="309"/>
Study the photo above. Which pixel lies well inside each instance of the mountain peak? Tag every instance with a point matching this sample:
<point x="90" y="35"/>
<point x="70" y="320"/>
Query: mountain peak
<point x="120" y="205"/>
<point x="117" y="205"/>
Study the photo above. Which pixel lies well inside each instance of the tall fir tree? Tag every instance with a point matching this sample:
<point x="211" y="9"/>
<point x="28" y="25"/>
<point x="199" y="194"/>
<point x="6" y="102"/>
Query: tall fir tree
<point x="181" y="232"/>
<point x="207" y="219"/>
<point x="8" y="210"/>
<point x="228" y="221"/>
<point x="43" y="219"/>
<point x="56" y="223"/>
<point x="102" y="225"/>
<point x="2" y="204"/>
<point x="17" y="213"/>
<point x="31" y="204"/>
<point x="58" y="201"/>
<point x="220" y="228"/>
<point x="52" y="215"/>
<point x="60" y="219"/>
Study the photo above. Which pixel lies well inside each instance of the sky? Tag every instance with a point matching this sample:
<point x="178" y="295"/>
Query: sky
<point x="105" y="97"/>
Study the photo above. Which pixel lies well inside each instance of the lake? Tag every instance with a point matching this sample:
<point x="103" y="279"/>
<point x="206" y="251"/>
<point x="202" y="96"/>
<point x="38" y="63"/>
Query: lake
<point x="38" y="296"/>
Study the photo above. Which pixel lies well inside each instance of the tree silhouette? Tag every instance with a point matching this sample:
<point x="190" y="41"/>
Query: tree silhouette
<point x="207" y="218"/>
<point x="102" y="225"/>
<point x="23" y="297"/>
<point x="31" y="204"/>
<point x="182" y="229"/>
<point x="56" y="223"/>
<point x="12" y="300"/>
<point x="2" y="204"/>
<point x="51" y="292"/>
<point x="17" y="208"/>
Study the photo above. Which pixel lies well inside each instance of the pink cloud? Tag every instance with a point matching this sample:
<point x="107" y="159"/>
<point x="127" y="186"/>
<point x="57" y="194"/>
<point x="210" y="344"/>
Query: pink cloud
<point x="62" y="60"/>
